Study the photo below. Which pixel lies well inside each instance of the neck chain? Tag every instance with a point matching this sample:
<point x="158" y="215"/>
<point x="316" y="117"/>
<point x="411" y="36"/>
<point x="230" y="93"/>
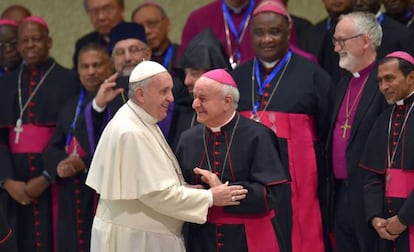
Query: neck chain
<point x="255" y="115"/>
<point x="18" y="128"/>
<point x="235" y="56"/>
<point x="391" y="153"/>
<point x="227" y="151"/>
<point x="348" y="110"/>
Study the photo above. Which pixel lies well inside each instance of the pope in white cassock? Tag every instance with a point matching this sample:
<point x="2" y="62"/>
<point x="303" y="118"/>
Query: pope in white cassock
<point x="143" y="198"/>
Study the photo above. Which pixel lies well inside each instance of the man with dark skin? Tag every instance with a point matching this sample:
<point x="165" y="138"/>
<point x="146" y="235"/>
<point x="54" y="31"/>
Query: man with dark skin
<point x="277" y="87"/>
<point x="27" y="120"/>
<point x="400" y="10"/>
<point x="9" y="57"/>
<point x="16" y="12"/>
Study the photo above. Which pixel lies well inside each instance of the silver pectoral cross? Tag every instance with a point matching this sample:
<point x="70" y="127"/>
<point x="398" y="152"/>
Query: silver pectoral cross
<point x="233" y="62"/>
<point x="18" y="129"/>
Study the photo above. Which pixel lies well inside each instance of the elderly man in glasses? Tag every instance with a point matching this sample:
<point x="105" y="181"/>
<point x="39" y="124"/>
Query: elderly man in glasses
<point x="356" y="104"/>
<point x="104" y="15"/>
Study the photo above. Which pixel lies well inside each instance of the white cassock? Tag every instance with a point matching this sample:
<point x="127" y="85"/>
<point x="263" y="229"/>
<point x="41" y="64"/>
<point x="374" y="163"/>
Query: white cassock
<point x="143" y="202"/>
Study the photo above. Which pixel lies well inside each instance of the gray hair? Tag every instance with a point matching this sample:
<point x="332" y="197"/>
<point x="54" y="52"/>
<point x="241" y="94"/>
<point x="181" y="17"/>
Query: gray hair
<point x="366" y="23"/>
<point x="134" y="85"/>
<point x="233" y="92"/>
<point x="146" y="4"/>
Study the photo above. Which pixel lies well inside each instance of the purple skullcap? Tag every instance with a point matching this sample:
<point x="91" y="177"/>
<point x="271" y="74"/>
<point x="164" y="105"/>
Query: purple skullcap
<point x="401" y="55"/>
<point x="272" y="6"/>
<point x="221" y="76"/>
<point x="8" y="21"/>
<point x="36" y="19"/>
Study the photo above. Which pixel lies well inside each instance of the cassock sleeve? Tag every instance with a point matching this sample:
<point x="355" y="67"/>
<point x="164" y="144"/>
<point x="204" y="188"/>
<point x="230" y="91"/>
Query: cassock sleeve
<point x="406" y="212"/>
<point x="373" y="195"/>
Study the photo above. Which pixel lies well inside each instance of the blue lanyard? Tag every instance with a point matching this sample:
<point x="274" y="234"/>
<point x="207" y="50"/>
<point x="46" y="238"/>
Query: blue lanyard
<point x="380" y="18"/>
<point x="168" y="56"/>
<point x="77" y="113"/>
<point x="237" y="33"/>
<point x="262" y="85"/>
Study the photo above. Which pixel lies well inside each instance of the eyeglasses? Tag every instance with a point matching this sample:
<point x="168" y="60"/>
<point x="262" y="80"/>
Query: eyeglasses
<point x="9" y="44"/>
<point x="341" y="41"/>
<point x="107" y="10"/>
<point x="152" y="24"/>
<point x="131" y="50"/>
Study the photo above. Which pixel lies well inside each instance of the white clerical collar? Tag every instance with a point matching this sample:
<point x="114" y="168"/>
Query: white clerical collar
<point x="401" y="102"/>
<point x="237" y="10"/>
<point x="218" y="129"/>
<point x="142" y="113"/>
<point x="356" y="75"/>
<point x="269" y="64"/>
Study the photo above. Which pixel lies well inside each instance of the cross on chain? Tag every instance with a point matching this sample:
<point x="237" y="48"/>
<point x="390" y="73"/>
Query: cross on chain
<point x="345" y="127"/>
<point x="18" y="129"/>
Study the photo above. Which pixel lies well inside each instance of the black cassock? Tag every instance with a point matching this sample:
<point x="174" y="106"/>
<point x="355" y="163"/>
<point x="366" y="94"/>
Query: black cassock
<point x="252" y="161"/>
<point x="77" y="201"/>
<point x="33" y="222"/>
<point x="390" y="192"/>
<point x="296" y="105"/>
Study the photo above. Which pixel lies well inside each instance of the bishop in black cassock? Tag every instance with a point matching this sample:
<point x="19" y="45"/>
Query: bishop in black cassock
<point x="389" y="184"/>
<point x="31" y="99"/>
<point x="238" y="151"/>
<point x="289" y="94"/>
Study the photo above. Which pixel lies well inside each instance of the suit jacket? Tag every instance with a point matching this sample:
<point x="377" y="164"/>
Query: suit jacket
<point x="371" y="104"/>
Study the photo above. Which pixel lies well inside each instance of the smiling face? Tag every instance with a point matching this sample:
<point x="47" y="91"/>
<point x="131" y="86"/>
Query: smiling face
<point x="33" y="43"/>
<point x="392" y="82"/>
<point x="213" y="108"/>
<point x="94" y="66"/>
<point x="156" y="95"/>
<point x="270" y="36"/>
<point x="351" y="49"/>
<point x="128" y="53"/>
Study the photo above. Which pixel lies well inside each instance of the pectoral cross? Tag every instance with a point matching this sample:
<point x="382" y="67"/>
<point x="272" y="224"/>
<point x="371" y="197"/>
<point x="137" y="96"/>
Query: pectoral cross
<point x="345" y="127"/>
<point x="18" y="129"/>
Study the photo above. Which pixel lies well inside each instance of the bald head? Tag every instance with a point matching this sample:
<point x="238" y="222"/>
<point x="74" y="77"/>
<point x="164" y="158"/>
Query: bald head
<point x="16" y="12"/>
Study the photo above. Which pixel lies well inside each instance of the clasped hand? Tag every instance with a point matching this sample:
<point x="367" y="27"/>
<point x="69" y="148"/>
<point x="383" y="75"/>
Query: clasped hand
<point x="223" y="194"/>
<point x="388" y="229"/>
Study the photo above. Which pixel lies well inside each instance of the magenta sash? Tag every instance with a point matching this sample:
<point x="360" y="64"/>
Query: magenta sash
<point x="299" y="132"/>
<point x="33" y="139"/>
<point x="260" y="235"/>
<point x="400" y="185"/>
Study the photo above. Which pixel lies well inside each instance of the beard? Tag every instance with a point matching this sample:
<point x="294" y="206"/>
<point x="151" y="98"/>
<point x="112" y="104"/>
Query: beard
<point x="347" y="61"/>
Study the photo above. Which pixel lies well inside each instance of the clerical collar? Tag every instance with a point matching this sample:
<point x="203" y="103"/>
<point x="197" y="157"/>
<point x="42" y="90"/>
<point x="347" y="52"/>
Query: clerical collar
<point x="407" y="100"/>
<point x="269" y="64"/>
<point x="218" y="129"/>
<point x="364" y="71"/>
<point x="237" y="10"/>
<point x="147" y="118"/>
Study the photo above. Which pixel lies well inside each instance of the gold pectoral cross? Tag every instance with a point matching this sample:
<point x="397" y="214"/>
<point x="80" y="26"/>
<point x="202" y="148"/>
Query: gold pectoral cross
<point x="345" y="127"/>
